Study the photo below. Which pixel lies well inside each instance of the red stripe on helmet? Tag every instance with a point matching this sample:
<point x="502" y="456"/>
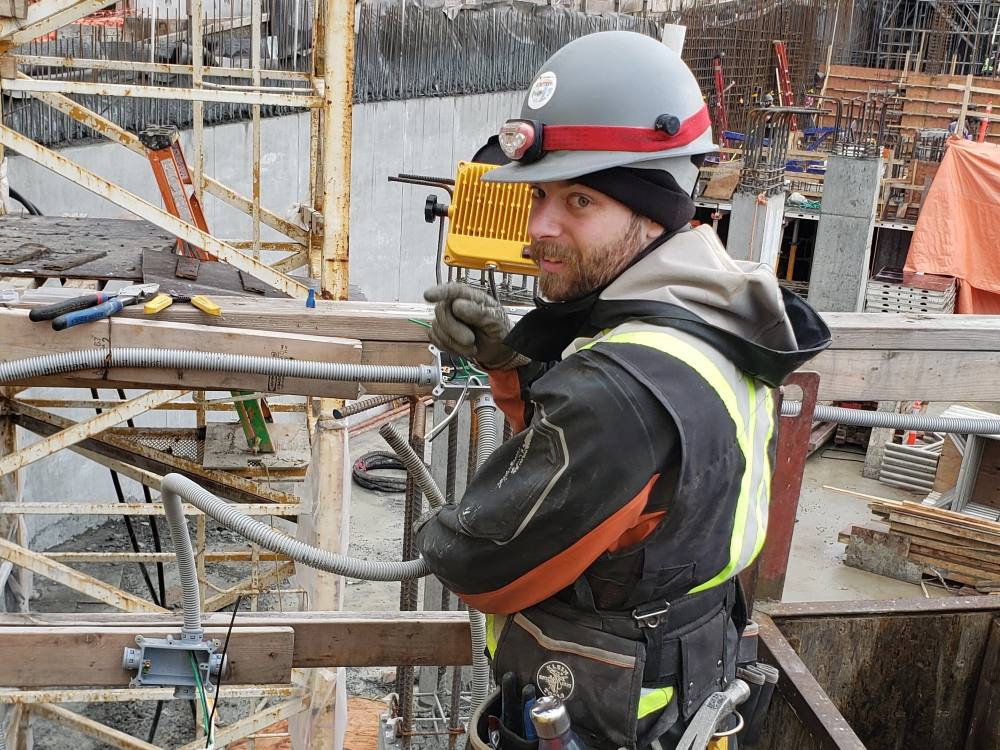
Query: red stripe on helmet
<point x="616" y="138"/>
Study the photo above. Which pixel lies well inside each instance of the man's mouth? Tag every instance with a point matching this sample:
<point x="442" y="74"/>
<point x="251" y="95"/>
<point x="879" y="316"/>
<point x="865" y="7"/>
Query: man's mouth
<point x="551" y="266"/>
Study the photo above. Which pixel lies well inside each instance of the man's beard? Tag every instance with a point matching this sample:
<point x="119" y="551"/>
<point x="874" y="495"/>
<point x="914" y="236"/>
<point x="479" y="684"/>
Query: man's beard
<point x="586" y="269"/>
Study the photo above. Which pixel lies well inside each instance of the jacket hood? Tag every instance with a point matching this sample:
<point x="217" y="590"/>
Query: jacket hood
<point x="689" y="282"/>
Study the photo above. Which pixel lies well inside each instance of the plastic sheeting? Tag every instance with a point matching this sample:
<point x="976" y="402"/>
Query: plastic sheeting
<point x="958" y="232"/>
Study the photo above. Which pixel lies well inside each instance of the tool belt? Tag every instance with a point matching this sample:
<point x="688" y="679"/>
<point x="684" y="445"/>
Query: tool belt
<point x="598" y="662"/>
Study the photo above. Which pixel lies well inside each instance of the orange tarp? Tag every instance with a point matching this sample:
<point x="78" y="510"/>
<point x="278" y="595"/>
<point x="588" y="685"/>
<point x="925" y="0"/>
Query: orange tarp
<point x="958" y="232"/>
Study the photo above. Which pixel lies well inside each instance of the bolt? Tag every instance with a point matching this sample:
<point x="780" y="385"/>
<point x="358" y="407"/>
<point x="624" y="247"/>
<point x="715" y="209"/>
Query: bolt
<point x="139" y="640"/>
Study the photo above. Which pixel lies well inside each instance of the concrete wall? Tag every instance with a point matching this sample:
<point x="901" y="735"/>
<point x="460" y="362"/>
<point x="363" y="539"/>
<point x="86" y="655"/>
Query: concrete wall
<point x="392" y="249"/>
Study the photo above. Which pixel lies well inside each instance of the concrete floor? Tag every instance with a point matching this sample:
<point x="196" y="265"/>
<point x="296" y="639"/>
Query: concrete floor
<point x="816" y="571"/>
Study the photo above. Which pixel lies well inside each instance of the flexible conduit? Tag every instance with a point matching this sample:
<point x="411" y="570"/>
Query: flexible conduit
<point x="891" y="420"/>
<point x="181" y="359"/>
<point x="486" y="443"/>
<point x="171" y="498"/>
<point x="413" y="464"/>
<point x="174" y="488"/>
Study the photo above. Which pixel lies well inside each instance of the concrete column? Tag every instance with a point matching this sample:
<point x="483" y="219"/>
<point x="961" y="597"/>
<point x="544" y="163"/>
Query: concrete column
<point x="844" y="236"/>
<point x="755" y="227"/>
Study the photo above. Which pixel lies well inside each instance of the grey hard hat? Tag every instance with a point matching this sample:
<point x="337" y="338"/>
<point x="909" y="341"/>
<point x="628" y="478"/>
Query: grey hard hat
<point x="615" y="79"/>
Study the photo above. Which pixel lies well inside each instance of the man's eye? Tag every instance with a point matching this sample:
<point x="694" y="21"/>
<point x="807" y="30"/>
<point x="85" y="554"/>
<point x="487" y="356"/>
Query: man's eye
<point x="537" y="192"/>
<point x="580" y="201"/>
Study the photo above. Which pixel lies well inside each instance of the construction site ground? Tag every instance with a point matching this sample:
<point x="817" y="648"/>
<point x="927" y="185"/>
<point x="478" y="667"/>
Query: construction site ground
<point x="815" y="573"/>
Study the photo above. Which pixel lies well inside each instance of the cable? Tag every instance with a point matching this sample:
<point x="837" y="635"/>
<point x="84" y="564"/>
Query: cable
<point x="222" y="668"/>
<point x="375" y="460"/>
<point x="29" y="206"/>
<point x="154" y="525"/>
<point x="201" y="691"/>
<point x="133" y="539"/>
<point x="156" y="722"/>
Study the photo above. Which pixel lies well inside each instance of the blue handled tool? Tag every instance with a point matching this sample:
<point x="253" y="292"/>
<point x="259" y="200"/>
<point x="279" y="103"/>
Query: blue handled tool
<point x="93" y="307"/>
<point x="528" y="696"/>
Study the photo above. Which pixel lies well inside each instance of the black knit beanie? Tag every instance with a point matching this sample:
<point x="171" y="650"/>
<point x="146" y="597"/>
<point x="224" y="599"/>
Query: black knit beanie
<point x="652" y="193"/>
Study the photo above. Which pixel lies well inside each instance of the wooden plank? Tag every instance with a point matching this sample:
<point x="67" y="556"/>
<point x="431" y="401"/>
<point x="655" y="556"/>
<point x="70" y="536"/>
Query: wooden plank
<point x="128" y="695"/>
<point x="82" y="430"/>
<point x="142" y="459"/>
<point x="322" y="639"/>
<point x="21" y="338"/>
<point x="101" y="732"/>
<point x="263" y="582"/>
<point x="324" y="523"/>
<point x="906" y="375"/>
<point x="92" y="656"/>
<point x="984" y="722"/>
<point x="38" y="563"/>
<point x="255" y="722"/>
<point x="934" y="662"/>
<point x="823" y="723"/>
<point x="134" y="509"/>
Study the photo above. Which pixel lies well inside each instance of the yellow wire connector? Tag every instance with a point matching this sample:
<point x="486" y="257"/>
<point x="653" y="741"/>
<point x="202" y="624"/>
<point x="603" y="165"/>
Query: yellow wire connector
<point x="159" y="302"/>
<point x="206" y="305"/>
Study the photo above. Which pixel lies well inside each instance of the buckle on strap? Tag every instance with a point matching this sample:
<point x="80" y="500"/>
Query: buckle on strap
<point x="651" y="616"/>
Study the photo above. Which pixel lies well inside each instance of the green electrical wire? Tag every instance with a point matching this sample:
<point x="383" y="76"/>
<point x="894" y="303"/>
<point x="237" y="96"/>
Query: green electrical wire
<point x="463" y="366"/>
<point x="201" y="693"/>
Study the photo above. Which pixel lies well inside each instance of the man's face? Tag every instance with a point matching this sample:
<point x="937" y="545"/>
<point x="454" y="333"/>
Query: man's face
<point x="581" y="239"/>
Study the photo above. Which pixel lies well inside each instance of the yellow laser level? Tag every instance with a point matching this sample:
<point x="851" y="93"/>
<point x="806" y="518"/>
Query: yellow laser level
<point x="488" y="223"/>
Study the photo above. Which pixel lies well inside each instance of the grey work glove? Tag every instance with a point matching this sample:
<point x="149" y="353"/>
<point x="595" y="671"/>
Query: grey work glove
<point x="471" y="324"/>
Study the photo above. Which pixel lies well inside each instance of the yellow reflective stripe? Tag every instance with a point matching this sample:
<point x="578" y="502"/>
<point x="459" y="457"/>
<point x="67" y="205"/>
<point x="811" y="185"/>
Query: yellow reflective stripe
<point x="651" y="701"/>
<point x="765" y="489"/>
<point x="697" y="360"/>
<point x="491" y="637"/>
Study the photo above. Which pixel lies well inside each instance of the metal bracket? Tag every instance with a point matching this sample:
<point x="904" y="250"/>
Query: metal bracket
<point x="167" y="662"/>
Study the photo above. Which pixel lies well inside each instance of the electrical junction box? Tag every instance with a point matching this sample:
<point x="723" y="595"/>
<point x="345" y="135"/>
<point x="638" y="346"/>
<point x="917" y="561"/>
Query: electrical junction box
<point x="173" y="662"/>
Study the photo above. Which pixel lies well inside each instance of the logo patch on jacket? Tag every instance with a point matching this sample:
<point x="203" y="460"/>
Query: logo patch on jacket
<point x="556" y="679"/>
<point x="518" y="459"/>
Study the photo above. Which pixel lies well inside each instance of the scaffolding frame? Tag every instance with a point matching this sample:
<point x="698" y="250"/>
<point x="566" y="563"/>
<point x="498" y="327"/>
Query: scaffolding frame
<point x="320" y="245"/>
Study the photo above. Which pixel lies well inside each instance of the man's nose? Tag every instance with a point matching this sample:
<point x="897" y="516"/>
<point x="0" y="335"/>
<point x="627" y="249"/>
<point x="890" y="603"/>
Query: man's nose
<point x="543" y="223"/>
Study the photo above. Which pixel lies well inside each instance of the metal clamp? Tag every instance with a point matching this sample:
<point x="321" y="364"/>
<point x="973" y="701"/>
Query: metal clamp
<point x="653" y="619"/>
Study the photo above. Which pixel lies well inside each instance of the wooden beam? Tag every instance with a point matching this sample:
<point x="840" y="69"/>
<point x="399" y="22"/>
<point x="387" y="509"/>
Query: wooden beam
<point x="118" y="558"/>
<point x="131" y="66"/>
<point x="82" y="430"/>
<point x="145" y="210"/>
<point x="44" y="16"/>
<point x="128" y="695"/>
<point x="803" y="693"/>
<point x="101" y="732"/>
<point x="322" y="639"/>
<point x="134" y="509"/>
<point x="243" y="727"/>
<point x="130" y="453"/>
<point x="271" y="577"/>
<point x="38" y="563"/>
<point x="21" y="338"/>
<point x="223" y="96"/>
<point x="92" y="656"/>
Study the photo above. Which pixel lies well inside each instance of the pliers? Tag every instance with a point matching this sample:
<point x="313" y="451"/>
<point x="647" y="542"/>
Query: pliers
<point x="91" y="307"/>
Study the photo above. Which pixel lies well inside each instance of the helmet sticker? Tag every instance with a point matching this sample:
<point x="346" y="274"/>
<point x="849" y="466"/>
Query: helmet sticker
<point x="542" y="90"/>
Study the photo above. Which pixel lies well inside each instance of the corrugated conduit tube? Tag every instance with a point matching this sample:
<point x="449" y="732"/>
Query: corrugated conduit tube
<point x="174" y="488"/>
<point x="891" y="420"/>
<point x="182" y="359"/>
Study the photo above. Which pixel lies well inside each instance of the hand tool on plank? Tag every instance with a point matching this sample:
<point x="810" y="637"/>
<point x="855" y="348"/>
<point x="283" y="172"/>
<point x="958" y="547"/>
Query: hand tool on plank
<point x="90" y="307"/>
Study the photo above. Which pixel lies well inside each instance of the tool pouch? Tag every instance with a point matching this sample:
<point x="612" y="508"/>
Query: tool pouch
<point x="598" y="676"/>
<point x="479" y="728"/>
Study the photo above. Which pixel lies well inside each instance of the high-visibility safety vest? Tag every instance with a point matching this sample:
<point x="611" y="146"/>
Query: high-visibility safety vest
<point x="717" y="519"/>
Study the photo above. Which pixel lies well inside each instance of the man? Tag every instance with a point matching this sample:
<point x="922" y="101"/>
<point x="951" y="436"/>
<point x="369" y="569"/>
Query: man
<point x="605" y="536"/>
